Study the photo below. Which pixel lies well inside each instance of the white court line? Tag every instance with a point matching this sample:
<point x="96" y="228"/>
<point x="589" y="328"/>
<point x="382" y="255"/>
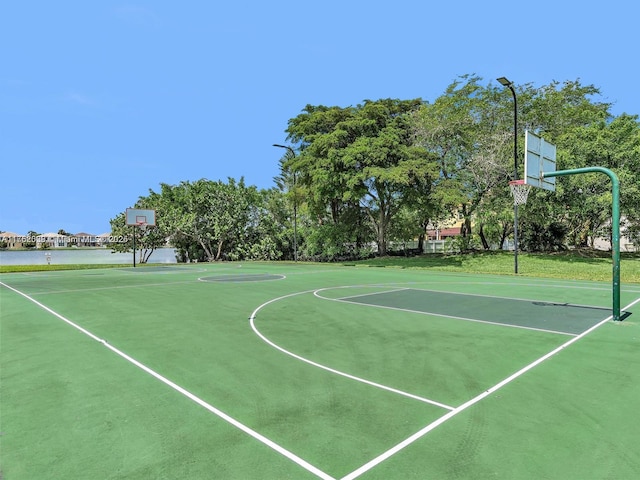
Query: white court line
<point x="261" y="438"/>
<point x="232" y="278"/>
<point x="329" y="369"/>
<point x="421" y="433"/>
<point x="364" y="294"/>
<point x="114" y="287"/>
<point x="498" y="297"/>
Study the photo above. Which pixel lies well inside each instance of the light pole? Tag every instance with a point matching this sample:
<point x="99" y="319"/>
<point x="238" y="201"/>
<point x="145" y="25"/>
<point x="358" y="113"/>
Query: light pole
<point x="509" y="84"/>
<point x="295" y="205"/>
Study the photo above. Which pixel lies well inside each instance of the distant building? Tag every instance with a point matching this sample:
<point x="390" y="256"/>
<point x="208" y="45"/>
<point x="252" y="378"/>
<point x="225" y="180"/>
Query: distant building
<point x="443" y="233"/>
<point x="56" y="240"/>
<point x="103" y="239"/>
<point x="626" y="243"/>
<point x="84" y="240"/>
<point x="52" y="240"/>
<point x="13" y="240"/>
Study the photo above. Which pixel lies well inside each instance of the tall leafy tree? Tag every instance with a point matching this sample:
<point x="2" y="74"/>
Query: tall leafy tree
<point x="287" y="206"/>
<point x="360" y="160"/>
<point x="612" y="144"/>
<point x="464" y="129"/>
<point x="212" y="214"/>
<point x="569" y="115"/>
<point x="147" y="238"/>
<point x="469" y="128"/>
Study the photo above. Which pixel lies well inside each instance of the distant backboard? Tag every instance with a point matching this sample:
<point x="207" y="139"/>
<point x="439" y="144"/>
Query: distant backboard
<point x="539" y="157"/>
<point x="139" y="216"/>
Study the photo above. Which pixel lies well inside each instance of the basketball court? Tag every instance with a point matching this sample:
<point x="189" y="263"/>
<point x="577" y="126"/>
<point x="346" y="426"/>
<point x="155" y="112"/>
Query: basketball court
<point x="315" y="371"/>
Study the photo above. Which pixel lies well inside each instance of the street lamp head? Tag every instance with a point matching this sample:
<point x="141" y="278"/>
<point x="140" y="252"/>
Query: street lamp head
<point x="504" y="81"/>
<point x="291" y="150"/>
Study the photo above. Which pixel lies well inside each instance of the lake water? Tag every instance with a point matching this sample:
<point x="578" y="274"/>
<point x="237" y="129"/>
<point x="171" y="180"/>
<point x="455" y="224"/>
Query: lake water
<point x="79" y="255"/>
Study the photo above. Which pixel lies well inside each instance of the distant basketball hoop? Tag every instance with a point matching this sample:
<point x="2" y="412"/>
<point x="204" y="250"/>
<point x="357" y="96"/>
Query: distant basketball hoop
<point x="519" y="191"/>
<point x="139" y="217"/>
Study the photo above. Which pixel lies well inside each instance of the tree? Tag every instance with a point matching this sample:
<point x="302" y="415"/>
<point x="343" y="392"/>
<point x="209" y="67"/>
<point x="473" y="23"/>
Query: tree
<point x="147" y="238"/>
<point x="209" y="218"/>
<point x="468" y="129"/>
<point x="568" y="115"/>
<point x="465" y="130"/>
<point x="611" y="144"/>
<point x="359" y="161"/>
<point x="269" y="236"/>
<point x="287" y="213"/>
<point x="32" y="235"/>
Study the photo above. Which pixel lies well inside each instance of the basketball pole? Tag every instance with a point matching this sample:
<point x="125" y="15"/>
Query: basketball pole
<point x="134" y="245"/>
<point x="615" y="227"/>
<point x="137" y="217"/>
<point x="509" y="84"/>
<point x="295" y="203"/>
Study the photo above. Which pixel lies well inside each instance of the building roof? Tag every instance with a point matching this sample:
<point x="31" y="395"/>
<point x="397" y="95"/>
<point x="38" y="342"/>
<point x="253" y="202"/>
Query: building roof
<point x="51" y="235"/>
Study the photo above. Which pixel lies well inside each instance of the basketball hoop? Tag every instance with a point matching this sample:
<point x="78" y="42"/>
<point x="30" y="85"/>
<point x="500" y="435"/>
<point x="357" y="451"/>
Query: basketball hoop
<point x="519" y="191"/>
<point x="142" y="227"/>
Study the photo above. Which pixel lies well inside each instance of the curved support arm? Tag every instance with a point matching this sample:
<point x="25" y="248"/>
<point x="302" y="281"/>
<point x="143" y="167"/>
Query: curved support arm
<point x="615" y="226"/>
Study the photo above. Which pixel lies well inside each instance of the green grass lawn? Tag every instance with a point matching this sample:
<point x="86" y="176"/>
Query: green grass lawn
<point x="576" y="265"/>
<point x="58" y="266"/>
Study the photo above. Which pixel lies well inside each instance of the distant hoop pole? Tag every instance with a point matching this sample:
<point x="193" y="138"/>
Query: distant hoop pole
<point x="137" y="217"/>
<point x="295" y="204"/>
<point x="505" y="82"/>
<point x="615" y="227"/>
<point x="134" y="245"/>
<point x="138" y="224"/>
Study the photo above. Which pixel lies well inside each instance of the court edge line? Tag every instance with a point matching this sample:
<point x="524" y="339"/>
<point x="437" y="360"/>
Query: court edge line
<point x="420" y="433"/>
<point x="606" y="288"/>
<point x="261" y="438"/>
<point x="365" y="294"/>
<point x="329" y="369"/>
<point x="113" y="287"/>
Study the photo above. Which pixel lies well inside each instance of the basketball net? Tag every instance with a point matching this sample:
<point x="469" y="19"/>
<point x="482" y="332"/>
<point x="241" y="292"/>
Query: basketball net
<point x="519" y="191"/>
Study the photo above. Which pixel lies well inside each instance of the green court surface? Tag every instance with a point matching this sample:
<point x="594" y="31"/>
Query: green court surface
<point x="287" y="371"/>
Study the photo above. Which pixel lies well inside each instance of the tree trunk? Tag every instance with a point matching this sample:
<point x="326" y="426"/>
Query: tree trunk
<point x="483" y="239"/>
<point x="465" y="228"/>
<point x="206" y="249"/>
<point x="382" y="241"/>
<point x="219" y="252"/>
<point x="504" y="235"/>
<point x="421" y="242"/>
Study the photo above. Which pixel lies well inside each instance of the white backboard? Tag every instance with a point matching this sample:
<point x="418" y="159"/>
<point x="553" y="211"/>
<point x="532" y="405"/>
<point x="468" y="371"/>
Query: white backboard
<point x="140" y="216"/>
<point x="539" y="157"/>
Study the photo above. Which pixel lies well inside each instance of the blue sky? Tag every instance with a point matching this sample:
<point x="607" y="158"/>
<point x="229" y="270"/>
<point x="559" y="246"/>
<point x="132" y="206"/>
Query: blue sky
<point x="101" y="101"/>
